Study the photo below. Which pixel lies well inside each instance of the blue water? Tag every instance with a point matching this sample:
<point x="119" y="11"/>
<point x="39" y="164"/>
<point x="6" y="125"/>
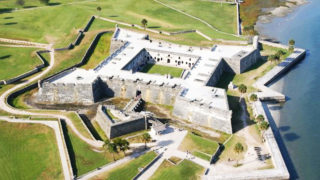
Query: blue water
<point x="299" y="121"/>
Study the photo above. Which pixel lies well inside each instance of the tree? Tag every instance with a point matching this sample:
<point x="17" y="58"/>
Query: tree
<point x="238" y="148"/>
<point x="253" y="97"/>
<point x="110" y="147"/>
<point x="20" y="2"/>
<point x="280" y="53"/>
<point x="260" y="118"/>
<point x="123" y="145"/>
<point x="274" y="57"/>
<point x="46" y="2"/>
<point x="264" y="125"/>
<point x="291" y="44"/>
<point x="144" y="23"/>
<point x="99" y="8"/>
<point x="146" y="138"/>
<point x="242" y="89"/>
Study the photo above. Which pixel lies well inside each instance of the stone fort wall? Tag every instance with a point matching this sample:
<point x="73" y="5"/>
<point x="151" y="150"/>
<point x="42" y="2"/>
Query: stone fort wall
<point x="115" y="129"/>
<point x="203" y="115"/>
<point x="154" y="93"/>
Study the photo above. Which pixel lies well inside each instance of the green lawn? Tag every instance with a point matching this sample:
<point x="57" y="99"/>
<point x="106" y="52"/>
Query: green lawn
<point x="83" y="158"/>
<point x="184" y="170"/>
<point x="229" y="149"/>
<point x="128" y="170"/>
<point x="16" y="61"/>
<point x="221" y="16"/>
<point x="201" y="155"/>
<point x="194" y="142"/>
<point x="77" y="121"/>
<point x="61" y="30"/>
<point x="100" y="52"/>
<point x="160" y="69"/>
<point x="28" y="151"/>
<point x="7" y="5"/>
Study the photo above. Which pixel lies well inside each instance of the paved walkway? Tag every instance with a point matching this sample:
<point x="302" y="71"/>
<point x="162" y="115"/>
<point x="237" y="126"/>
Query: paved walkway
<point x="168" y="143"/>
<point x="66" y="166"/>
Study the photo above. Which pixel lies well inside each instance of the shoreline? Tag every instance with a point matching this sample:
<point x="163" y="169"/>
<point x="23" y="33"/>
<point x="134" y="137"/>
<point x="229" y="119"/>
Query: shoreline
<point x="278" y="12"/>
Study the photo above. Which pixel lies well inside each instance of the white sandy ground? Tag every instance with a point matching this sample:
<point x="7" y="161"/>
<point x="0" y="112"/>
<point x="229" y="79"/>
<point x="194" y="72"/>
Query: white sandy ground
<point x="250" y="161"/>
<point x="282" y="10"/>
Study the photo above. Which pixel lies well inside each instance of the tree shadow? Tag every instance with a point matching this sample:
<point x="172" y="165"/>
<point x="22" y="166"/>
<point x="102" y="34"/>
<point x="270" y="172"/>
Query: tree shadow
<point x="8" y="17"/>
<point x="10" y="23"/>
<point x="5" y="10"/>
<point x="154" y="27"/>
<point x="113" y="16"/>
<point x="291" y="136"/>
<point x="5" y="57"/>
<point x="54" y="4"/>
<point x="284" y="128"/>
<point x="69" y="147"/>
<point x="28" y="7"/>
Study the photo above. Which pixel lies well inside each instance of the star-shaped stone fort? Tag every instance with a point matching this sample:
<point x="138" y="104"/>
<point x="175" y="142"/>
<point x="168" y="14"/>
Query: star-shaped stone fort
<point x="192" y="95"/>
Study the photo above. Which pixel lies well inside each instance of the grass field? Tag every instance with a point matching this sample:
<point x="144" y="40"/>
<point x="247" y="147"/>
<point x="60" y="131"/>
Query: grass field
<point x="83" y="158"/>
<point x="220" y="15"/>
<point x="61" y="30"/>
<point x="9" y="5"/>
<point x="229" y="149"/>
<point x="100" y="52"/>
<point x="28" y="151"/>
<point x="199" y="146"/>
<point x="159" y="69"/>
<point x="17" y="61"/>
<point x="184" y="170"/>
<point x="128" y="170"/>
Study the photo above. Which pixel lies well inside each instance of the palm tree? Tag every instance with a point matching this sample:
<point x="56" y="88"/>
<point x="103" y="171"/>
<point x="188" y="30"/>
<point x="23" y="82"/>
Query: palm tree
<point x="144" y="23"/>
<point x="253" y="97"/>
<point x="238" y="148"/>
<point x="124" y="145"/>
<point x="264" y="125"/>
<point x="291" y="44"/>
<point x="110" y="147"/>
<point x="260" y="118"/>
<point x="99" y="10"/>
<point x="46" y="2"/>
<point x="20" y="2"/>
<point x="242" y="89"/>
<point x="146" y="138"/>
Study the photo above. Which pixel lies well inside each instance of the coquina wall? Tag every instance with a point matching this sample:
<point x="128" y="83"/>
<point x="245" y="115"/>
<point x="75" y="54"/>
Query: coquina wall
<point x="154" y="93"/>
<point x="242" y="61"/>
<point x="68" y="93"/>
<point x="115" y="129"/>
<point x="203" y="115"/>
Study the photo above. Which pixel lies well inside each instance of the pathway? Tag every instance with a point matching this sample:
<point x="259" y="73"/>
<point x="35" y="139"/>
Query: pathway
<point x="66" y="166"/>
<point x="6" y="107"/>
<point x="110" y="166"/>
<point x="168" y="143"/>
<point x="196" y="18"/>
